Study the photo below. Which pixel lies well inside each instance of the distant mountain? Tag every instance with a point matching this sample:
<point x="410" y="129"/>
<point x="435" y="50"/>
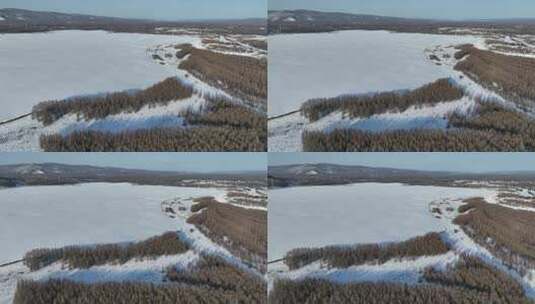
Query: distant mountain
<point x="329" y="174"/>
<point x="14" y="15"/>
<point x="303" y="21"/>
<point x="317" y="17"/>
<point x="14" y="20"/>
<point x="58" y="174"/>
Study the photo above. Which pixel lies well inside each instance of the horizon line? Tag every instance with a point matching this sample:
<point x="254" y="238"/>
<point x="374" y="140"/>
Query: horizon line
<point x="401" y="17"/>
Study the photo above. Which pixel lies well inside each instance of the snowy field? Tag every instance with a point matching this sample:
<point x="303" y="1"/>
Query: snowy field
<point x="57" y="65"/>
<point x="55" y="216"/>
<point x="64" y="64"/>
<point x="305" y="66"/>
<point x="350" y="214"/>
<point x="327" y="65"/>
<point x="376" y="213"/>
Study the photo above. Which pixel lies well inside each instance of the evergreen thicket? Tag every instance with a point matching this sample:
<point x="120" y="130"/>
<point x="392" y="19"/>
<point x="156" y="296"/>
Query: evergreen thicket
<point x="86" y="257"/>
<point x="418" y="140"/>
<point x="221" y="126"/>
<point x="493" y="117"/>
<point x="469" y="281"/>
<point x="63" y="292"/>
<point x="222" y="112"/>
<point x="472" y="273"/>
<point x="198" y="139"/>
<point x="98" y="107"/>
<point x="442" y="90"/>
<point x="215" y="273"/>
<point x="490" y="127"/>
<point x="343" y="257"/>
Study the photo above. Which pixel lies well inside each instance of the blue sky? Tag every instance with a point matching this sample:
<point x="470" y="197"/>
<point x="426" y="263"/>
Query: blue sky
<point x="434" y="9"/>
<point x="191" y="162"/>
<point x="465" y="162"/>
<point x="150" y="9"/>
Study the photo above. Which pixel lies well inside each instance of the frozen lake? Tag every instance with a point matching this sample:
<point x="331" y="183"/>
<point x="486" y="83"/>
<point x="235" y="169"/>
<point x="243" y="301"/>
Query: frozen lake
<point x="305" y="66"/>
<point x="350" y="214"/>
<point x="55" y="216"/>
<point x="56" y="65"/>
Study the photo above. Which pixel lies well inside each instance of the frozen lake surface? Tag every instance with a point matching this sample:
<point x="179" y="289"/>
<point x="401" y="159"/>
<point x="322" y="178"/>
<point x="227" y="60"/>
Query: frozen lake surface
<point x="57" y="65"/>
<point x="56" y="216"/>
<point x="305" y="66"/>
<point x="350" y="214"/>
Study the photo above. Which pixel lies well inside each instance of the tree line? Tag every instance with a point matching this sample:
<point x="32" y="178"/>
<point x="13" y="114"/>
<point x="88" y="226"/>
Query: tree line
<point x="98" y="107"/>
<point x="86" y="257"/>
<point x="441" y="90"/>
<point x="472" y="273"/>
<point x="220" y="111"/>
<point x="469" y="281"/>
<point x="62" y="291"/>
<point x="489" y="127"/>
<point x="343" y="257"/>
<point x="416" y="140"/>
<point x="221" y="125"/>
<point x="492" y="116"/>
<point x="215" y="273"/>
<point x="198" y="139"/>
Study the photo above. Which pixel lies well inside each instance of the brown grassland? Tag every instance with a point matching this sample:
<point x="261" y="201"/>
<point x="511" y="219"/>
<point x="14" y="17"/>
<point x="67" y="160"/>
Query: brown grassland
<point x="506" y="232"/>
<point x="241" y="76"/>
<point x="510" y="76"/>
<point x="242" y="231"/>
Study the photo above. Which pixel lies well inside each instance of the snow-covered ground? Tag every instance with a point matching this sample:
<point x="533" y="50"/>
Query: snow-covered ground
<point x="56" y="65"/>
<point x="94" y="62"/>
<point x="24" y="134"/>
<point x="55" y="216"/>
<point x="402" y="62"/>
<point x="431" y="117"/>
<point x="384" y="218"/>
<point x="405" y="271"/>
<point x="350" y="214"/>
<point x="306" y="66"/>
